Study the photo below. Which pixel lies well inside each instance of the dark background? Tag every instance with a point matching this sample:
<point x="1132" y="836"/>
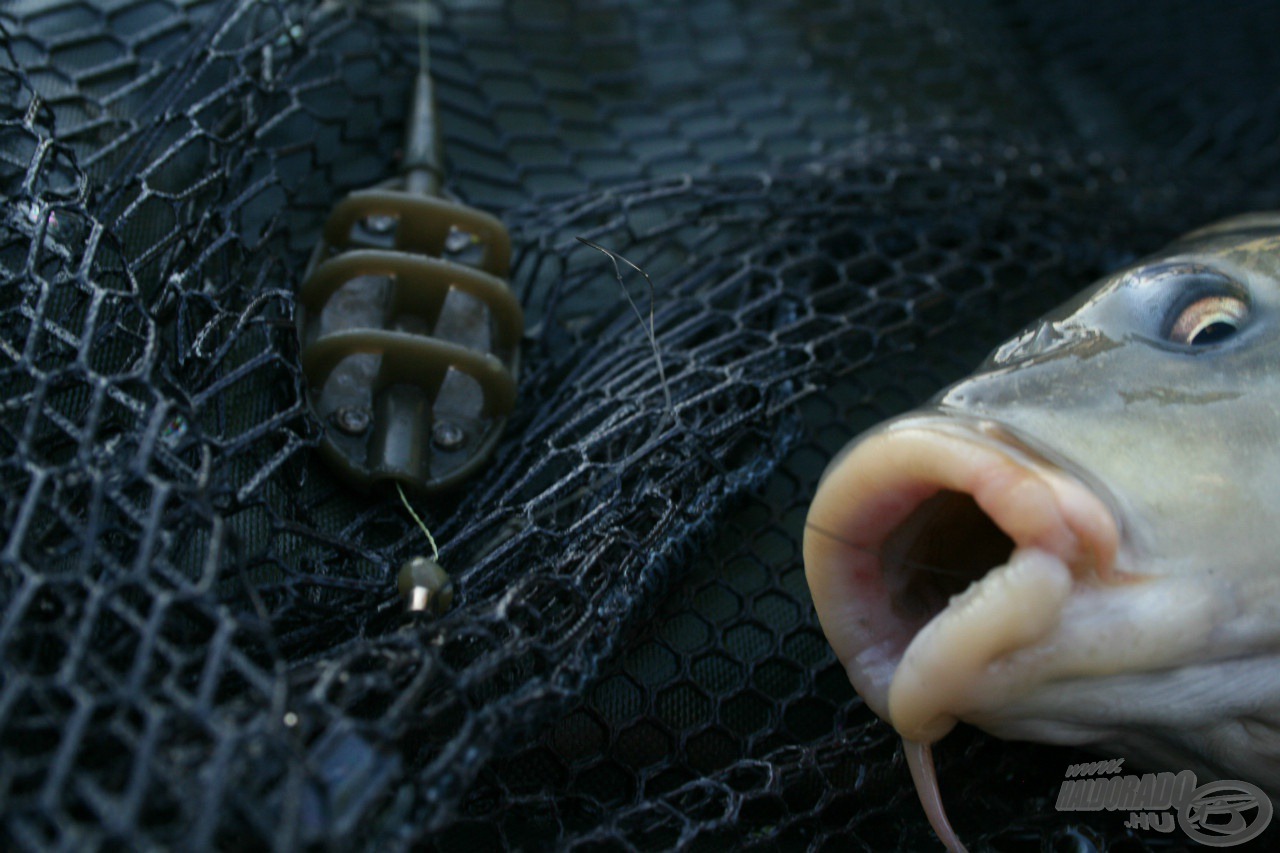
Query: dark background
<point x="842" y="206"/>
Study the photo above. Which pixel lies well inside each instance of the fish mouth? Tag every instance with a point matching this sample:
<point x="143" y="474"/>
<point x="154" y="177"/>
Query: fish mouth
<point x="939" y="552"/>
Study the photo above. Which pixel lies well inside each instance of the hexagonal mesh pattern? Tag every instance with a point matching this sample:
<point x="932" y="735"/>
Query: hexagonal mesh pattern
<point x="841" y="205"/>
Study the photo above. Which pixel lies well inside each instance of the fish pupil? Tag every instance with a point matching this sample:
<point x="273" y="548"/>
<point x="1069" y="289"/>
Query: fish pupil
<point x="1213" y="333"/>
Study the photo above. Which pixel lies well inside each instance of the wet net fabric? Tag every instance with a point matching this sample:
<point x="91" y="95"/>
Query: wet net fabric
<point x="841" y="207"/>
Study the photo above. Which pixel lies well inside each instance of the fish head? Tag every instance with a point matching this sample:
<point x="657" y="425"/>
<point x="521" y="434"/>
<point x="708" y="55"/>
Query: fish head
<point x="1079" y="543"/>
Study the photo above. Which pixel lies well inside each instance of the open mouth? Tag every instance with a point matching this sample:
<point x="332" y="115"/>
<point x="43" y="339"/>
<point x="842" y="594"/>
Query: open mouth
<point x="935" y="550"/>
<point x="945" y="544"/>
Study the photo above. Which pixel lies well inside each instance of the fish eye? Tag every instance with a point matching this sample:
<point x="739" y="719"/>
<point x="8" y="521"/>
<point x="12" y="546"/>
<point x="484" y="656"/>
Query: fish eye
<point x="1209" y="320"/>
<point x="1190" y="304"/>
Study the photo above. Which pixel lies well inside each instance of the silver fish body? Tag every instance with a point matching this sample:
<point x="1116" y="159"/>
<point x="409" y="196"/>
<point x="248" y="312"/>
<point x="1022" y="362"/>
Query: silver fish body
<point x="1080" y="543"/>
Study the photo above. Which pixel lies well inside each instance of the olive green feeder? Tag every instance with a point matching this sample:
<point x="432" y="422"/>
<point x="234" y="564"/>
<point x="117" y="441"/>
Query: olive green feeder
<point x="410" y="337"/>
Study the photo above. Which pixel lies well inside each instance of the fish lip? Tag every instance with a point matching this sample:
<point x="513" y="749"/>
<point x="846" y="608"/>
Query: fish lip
<point x="1016" y="442"/>
<point x="868" y="491"/>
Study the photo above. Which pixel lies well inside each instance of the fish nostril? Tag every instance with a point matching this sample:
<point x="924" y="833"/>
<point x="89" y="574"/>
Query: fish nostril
<point x="1036" y="340"/>
<point x="1012" y="350"/>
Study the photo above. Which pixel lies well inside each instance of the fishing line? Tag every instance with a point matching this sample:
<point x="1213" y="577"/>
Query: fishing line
<point x="649" y="329"/>
<point x="435" y="552"/>
<point x="904" y="562"/>
<point x="657" y="354"/>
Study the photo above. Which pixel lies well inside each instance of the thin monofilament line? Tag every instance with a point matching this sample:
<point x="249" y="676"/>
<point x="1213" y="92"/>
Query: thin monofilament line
<point x="904" y="562"/>
<point x="649" y="329"/>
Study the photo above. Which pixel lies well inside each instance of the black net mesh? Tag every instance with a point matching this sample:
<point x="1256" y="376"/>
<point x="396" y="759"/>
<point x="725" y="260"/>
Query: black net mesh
<point x="841" y="205"/>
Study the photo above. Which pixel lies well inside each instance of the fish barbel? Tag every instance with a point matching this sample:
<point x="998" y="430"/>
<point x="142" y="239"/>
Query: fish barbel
<point x="1080" y="543"/>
